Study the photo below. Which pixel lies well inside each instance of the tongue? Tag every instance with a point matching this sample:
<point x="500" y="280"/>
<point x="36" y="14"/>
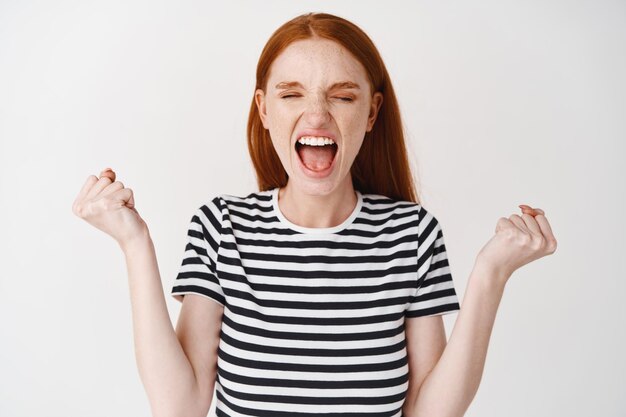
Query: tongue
<point x="317" y="158"/>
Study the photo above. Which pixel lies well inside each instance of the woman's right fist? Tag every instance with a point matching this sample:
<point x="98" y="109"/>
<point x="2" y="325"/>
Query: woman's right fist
<point x="107" y="205"/>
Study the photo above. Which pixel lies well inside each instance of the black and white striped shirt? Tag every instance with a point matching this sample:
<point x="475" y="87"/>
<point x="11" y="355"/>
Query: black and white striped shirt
<point x="313" y="320"/>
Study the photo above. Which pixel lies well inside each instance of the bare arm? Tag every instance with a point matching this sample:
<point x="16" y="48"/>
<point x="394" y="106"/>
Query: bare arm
<point x="449" y="388"/>
<point x="177" y="368"/>
<point x="425" y="342"/>
<point x="165" y="369"/>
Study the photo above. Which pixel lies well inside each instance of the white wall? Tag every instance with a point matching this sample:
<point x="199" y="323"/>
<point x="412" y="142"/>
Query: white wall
<point x="504" y="103"/>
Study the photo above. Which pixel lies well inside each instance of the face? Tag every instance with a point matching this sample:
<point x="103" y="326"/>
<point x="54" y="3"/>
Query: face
<point x="317" y="88"/>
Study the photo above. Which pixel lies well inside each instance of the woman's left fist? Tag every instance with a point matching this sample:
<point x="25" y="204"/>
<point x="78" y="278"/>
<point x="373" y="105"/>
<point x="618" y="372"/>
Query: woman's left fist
<point x="518" y="240"/>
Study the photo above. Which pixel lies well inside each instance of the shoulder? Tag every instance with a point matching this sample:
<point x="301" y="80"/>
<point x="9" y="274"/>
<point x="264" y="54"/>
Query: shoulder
<point x="230" y="207"/>
<point x="256" y="199"/>
<point x="382" y="204"/>
<point x="246" y="205"/>
<point x="224" y="201"/>
<point x="406" y="212"/>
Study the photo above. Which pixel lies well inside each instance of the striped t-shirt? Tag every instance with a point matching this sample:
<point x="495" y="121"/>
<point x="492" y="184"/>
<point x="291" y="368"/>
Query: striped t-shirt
<point x="313" y="321"/>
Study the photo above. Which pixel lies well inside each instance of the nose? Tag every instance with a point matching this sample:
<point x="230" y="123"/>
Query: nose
<point x="317" y="111"/>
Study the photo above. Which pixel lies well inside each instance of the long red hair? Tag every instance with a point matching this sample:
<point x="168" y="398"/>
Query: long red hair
<point x="382" y="165"/>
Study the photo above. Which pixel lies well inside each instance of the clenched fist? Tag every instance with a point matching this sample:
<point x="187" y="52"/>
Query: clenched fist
<point x="518" y="240"/>
<point x="107" y="205"/>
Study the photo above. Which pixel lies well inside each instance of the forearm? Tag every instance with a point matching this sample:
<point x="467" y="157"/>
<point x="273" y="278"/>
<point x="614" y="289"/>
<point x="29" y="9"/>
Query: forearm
<point x="450" y="387"/>
<point x="164" y="368"/>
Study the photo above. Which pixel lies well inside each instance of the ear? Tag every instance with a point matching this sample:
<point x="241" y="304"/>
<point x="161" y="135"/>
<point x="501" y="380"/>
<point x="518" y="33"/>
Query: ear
<point x="259" y="99"/>
<point x="377" y="101"/>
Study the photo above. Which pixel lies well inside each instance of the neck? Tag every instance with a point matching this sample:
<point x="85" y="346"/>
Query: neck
<point x="317" y="211"/>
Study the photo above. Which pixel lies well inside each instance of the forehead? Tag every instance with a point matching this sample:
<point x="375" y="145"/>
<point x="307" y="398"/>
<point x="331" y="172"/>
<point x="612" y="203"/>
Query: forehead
<point x="314" y="61"/>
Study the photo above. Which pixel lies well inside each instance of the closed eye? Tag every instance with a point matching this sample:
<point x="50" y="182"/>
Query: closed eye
<point x="346" y="99"/>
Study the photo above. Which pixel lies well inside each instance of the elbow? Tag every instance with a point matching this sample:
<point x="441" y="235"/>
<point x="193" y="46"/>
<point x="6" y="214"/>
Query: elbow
<point x="431" y="405"/>
<point x="190" y="407"/>
<point x="186" y="411"/>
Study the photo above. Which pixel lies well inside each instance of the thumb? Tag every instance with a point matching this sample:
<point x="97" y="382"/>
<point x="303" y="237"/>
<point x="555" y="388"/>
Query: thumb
<point x="131" y="201"/>
<point x="125" y="196"/>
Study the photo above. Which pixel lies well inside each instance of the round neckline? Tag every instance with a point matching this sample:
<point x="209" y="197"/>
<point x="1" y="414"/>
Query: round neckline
<point x="316" y="230"/>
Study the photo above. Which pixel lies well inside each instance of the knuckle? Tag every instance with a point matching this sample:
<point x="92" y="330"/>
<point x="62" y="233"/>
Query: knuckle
<point x="80" y="210"/>
<point x="106" y="204"/>
<point x="524" y="239"/>
<point x="537" y="243"/>
<point x="552" y="246"/>
<point x="509" y="233"/>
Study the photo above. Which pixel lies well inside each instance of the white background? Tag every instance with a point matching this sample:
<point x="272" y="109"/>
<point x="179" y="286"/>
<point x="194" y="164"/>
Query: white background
<point x="504" y="103"/>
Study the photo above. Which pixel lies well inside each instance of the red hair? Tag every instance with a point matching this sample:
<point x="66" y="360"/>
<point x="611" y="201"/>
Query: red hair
<point x="382" y="165"/>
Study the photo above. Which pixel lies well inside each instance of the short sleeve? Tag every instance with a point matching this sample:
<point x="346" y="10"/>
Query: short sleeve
<point x="435" y="293"/>
<point x="198" y="271"/>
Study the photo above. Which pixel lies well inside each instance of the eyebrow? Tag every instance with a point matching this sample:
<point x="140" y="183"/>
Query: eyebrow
<point x="340" y="84"/>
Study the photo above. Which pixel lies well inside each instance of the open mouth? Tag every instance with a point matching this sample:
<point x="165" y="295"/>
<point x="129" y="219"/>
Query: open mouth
<point x="317" y="158"/>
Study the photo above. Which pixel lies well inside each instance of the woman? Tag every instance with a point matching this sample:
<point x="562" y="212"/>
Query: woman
<point x="323" y="291"/>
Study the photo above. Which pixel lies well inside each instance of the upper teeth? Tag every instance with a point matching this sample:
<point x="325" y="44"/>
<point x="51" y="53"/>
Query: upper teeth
<point x="316" y="140"/>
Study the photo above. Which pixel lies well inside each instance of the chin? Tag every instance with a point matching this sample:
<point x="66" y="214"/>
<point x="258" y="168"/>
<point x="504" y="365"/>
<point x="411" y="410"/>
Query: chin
<point x="316" y="188"/>
<point x="313" y="187"/>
